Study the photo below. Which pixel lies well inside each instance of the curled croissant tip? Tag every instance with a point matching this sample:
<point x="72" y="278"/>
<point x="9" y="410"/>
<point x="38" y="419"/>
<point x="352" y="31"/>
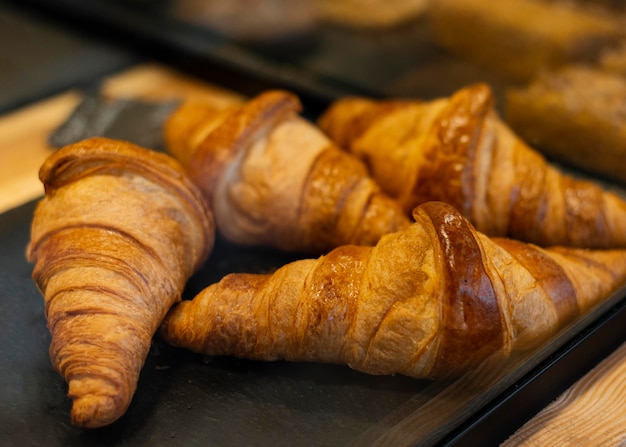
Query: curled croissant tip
<point x="94" y="411"/>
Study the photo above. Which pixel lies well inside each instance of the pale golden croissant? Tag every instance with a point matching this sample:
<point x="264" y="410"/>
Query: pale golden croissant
<point x="456" y="149"/>
<point x="113" y="242"/>
<point x="274" y="179"/>
<point x="434" y="298"/>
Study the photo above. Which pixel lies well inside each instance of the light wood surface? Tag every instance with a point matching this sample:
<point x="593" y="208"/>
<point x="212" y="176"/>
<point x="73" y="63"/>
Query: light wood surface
<point x="24" y="147"/>
<point x="590" y="413"/>
<point x="24" y="133"/>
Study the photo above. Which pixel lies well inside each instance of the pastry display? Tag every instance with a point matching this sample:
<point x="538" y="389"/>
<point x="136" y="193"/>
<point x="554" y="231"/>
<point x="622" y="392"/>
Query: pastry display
<point x="457" y="150"/>
<point x="575" y="115"/>
<point x="425" y="237"/>
<point x="429" y="301"/>
<point x="448" y="233"/>
<point x="404" y="283"/>
<point x="519" y="38"/>
<point x="114" y="241"/>
<point x="274" y="179"/>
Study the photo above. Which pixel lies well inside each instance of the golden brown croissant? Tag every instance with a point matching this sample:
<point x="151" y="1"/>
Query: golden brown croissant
<point x="274" y="179"/>
<point x="113" y="242"/>
<point x="434" y="298"/>
<point x="457" y="150"/>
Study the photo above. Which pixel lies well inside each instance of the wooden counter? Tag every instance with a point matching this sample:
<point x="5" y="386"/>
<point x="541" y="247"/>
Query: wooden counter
<point x="592" y="412"/>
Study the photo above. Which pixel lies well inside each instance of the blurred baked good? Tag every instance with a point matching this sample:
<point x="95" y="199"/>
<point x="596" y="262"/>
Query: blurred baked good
<point x="576" y="115"/>
<point x="614" y="59"/>
<point x="371" y="13"/>
<point x="257" y="21"/>
<point x="615" y="5"/>
<point x="518" y="38"/>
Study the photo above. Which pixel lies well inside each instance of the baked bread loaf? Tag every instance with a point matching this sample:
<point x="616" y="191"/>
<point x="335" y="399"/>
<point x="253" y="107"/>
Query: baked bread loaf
<point x="457" y="150"/>
<point x="274" y="179"/>
<point x="610" y="5"/>
<point x="519" y="38"/>
<point x="374" y="14"/>
<point x="429" y="301"/>
<point x="118" y="234"/>
<point x="576" y="115"/>
<point x="250" y="21"/>
<point x="613" y="59"/>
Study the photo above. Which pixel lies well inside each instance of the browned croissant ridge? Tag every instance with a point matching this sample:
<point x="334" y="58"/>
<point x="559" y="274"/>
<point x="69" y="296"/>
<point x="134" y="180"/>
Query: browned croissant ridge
<point x="274" y="179"/>
<point x="113" y="242"/>
<point x="431" y="300"/>
<point x="456" y="149"/>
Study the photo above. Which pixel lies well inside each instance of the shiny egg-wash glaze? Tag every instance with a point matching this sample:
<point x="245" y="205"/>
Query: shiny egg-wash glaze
<point x="431" y="300"/>
<point x="456" y="149"/>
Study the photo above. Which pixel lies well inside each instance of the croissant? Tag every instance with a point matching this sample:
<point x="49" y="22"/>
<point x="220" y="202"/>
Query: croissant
<point x="113" y="242"/>
<point x="456" y="149"/>
<point x="428" y="301"/>
<point x="274" y="179"/>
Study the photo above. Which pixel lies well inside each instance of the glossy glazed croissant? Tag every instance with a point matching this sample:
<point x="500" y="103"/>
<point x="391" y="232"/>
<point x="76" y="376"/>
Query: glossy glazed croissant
<point x="113" y="242"/>
<point x="431" y="300"/>
<point x="456" y="149"/>
<point x="274" y="179"/>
